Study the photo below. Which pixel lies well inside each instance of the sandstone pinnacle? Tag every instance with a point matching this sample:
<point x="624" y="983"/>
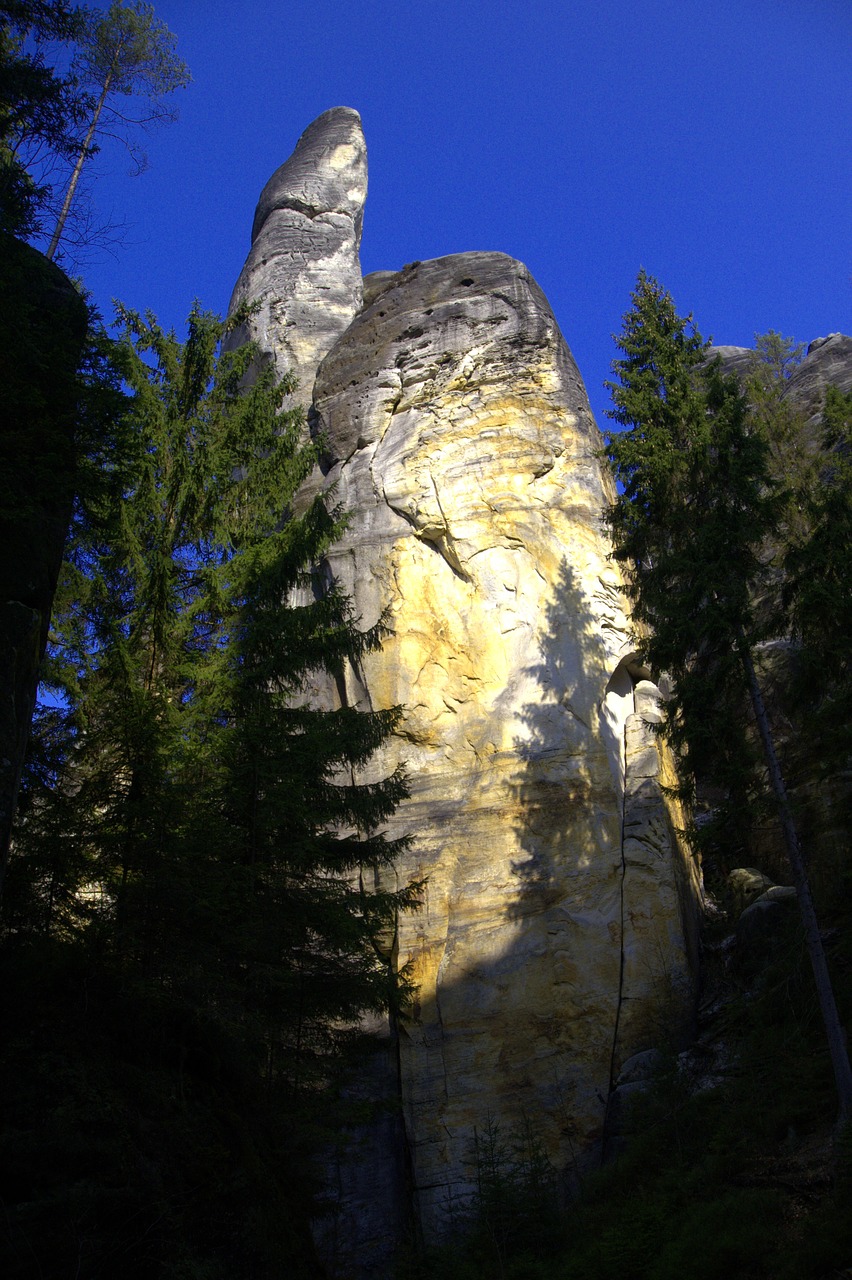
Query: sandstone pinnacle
<point x="303" y="267"/>
<point x="460" y="441"/>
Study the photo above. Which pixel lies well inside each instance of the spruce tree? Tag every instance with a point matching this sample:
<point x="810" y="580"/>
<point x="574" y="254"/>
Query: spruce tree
<point x="217" y="838"/>
<point x="819" y="597"/>
<point x="689" y="543"/>
<point x="696" y="510"/>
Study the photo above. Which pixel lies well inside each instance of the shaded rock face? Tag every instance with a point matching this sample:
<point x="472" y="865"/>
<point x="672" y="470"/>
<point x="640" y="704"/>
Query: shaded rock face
<point x="303" y="267"/>
<point x="39" y="361"/>
<point x="555" y="938"/>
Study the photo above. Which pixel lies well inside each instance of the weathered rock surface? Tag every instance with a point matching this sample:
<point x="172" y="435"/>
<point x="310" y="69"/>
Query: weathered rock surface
<point x="555" y="938"/>
<point x="827" y="362"/>
<point x="745" y="885"/>
<point x="461" y="442"/>
<point x="303" y="267"/>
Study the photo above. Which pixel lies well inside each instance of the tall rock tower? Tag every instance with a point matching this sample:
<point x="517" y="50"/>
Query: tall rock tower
<point x="303" y="267"/>
<point x="556" y="936"/>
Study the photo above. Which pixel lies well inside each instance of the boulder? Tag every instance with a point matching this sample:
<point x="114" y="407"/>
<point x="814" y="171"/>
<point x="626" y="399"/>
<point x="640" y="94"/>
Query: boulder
<point x="759" y="926"/>
<point x="745" y="884"/>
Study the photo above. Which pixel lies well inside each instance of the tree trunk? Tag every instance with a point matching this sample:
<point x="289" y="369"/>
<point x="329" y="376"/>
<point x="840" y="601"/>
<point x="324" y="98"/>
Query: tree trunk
<point x="825" y="994"/>
<point x="78" y="169"/>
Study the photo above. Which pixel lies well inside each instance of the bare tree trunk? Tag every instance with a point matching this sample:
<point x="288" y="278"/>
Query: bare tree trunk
<point x="78" y="169"/>
<point x="825" y="994"/>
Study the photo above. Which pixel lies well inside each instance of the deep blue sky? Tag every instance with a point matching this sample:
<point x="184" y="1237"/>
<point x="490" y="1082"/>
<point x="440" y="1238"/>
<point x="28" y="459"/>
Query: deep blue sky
<point x="710" y="142"/>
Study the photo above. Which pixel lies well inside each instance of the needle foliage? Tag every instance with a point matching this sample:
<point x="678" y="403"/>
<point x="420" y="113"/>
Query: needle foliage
<point x="200" y="858"/>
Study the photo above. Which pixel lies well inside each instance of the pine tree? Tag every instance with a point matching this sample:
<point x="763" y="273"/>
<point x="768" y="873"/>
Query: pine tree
<point x="41" y="109"/>
<point x="697" y="508"/>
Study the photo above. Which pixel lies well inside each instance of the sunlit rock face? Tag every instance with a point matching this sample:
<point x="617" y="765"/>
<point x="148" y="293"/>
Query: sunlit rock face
<point x="555" y="938"/>
<point x="548" y="947"/>
<point x="303" y="268"/>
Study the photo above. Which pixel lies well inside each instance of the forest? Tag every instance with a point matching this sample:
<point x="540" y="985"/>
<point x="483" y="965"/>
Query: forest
<point x="196" y="911"/>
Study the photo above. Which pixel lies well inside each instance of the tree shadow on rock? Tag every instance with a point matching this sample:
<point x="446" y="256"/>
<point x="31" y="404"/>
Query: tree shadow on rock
<point x="567" y="792"/>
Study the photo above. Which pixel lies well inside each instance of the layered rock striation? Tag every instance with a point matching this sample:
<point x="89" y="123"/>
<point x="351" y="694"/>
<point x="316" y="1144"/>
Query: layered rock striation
<point x="556" y="935"/>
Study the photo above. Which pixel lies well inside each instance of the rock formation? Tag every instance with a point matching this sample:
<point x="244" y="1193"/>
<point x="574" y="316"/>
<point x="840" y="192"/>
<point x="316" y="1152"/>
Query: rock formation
<point x="827" y="362"/>
<point x="303" y="269"/>
<point x="38" y="421"/>
<point x="553" y="930"/>
<point x="556" y="935"/>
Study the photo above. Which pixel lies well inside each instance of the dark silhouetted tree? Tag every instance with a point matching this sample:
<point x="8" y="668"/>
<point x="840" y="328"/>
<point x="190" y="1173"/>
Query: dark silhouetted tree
<point x="199" y="865"/>
<point x="697" y="508"/>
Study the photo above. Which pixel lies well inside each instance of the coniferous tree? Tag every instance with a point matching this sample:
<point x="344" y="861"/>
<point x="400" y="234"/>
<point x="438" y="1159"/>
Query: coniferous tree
<point x="201" y="893"/>
<point x="697" y="509"/>
<point x="791" y="445"/>
<point x="217" y="825"/>
<point x="684" y="533"/>
<point x="124" y="53"/>
<point x="41" y="108"/>
<point x="819" y="596"/>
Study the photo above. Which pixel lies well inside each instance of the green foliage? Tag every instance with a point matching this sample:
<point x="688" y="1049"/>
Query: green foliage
<point x="818" y="590"/>
<point x="697" y="516"/>
<point x="70" y="77"/>
<point x="512" y="1224"/>
<point x="696" y="505"/>
<point x="193" y="614"/>
<point x="125" y="53"/>
<point x="819" y="598"/>
<point x="195" y="834"/>
<point x="41" y="108"/>
<point x="135" y="1139"/>
<point x="132" y="50"/>
<point x="735" y="1180"/>
<point x="792" y="448"/>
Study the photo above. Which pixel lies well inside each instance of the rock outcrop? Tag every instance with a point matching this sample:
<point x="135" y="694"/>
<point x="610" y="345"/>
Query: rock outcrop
<point x="38" y="425"/>
<point x="827" y="362"/>
<point x="553" y="930"/>
<point x="556" y="934"/>
<point x="303" y="268"/>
